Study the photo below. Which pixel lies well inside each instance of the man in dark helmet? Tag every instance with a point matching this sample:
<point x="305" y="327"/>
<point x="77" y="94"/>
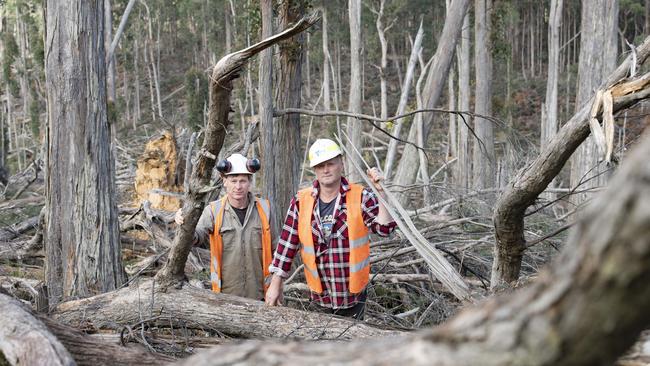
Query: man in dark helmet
<point x="238" y="231"/>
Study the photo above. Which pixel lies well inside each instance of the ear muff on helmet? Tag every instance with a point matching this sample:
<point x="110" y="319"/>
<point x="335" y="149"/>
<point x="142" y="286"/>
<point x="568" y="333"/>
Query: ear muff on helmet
<point x="224" y="166"/>
<point x="253" y="165"/>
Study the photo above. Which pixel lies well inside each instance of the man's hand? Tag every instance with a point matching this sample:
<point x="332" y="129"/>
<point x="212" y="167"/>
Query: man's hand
<point x="274" y="295"/>
<point x="376" y="178"/>
<point x="178" y="217"/>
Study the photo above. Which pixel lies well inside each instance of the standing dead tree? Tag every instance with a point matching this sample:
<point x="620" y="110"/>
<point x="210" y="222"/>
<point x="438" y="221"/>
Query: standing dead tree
<point x="81" y="234"/>
<point x="587" y="309"/>
<point x="436" y="80"/>
<point x="522" y="191"/>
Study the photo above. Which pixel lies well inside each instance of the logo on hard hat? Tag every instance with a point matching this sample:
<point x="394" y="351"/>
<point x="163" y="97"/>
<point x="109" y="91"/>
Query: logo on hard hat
<point x="322" y="150"/>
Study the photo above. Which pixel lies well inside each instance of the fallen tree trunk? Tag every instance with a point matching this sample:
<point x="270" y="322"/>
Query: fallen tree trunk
<point x="587" y="309"/>
<point x="18" y="249"/>
<point x="26" y="340"/>
<point x="15" y="230"/>
<point x="523" y="191"/>
<point x="193" y="308"/>
<point x="91" y="351"/>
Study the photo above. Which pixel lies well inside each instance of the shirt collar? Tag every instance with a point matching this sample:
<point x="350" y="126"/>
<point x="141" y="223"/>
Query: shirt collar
<point x="345" y="186"/>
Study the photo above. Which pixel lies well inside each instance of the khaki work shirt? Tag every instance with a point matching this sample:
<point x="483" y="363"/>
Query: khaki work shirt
<point x="241" y="270"/>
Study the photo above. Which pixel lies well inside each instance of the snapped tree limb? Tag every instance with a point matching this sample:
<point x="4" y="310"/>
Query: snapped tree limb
<point x="523" y="190"/>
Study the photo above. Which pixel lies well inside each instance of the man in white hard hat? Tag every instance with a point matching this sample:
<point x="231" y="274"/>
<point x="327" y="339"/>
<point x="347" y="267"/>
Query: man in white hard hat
<point x="238" y="231"/>
<point x="330" y="222"/>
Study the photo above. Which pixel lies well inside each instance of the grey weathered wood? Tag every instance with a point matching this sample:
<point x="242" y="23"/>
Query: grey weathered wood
<point x="354" y="126"/>
<point x="221" y="85"/>
<point x="550" y="123"/>
<point x="416" y="50"/>
<point x="587" y="309"/>
<point x="82" y="235"/>
<point x="265" y="103"/>
<point x="95" y="351"/>
<point x="120" y="30"/>
<point x="484" y="159"/>
<point x="110" y="64"/>
<point x="24" y="340"/>
<point x="17" y="229"/>
<point x="524" y="189"/>
<point x="203" y="309"/>
<point x="598" y="52"/>
<point x="327" y="61"/>
<point x="287" y="151"/>
<point x="464" y="165"/>
<point x="436" y="81"/>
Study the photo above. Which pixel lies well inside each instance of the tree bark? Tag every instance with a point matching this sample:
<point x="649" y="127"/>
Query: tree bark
<point x="484" y="158"/>
<point x="26" y="340"/>
<point x="286" y="163"/>
<point x="327" y="61"/>
<point x="549" y="124"/>
<point x="598" y="51"/>
<point x="354" y="126"/>
<point x="464" y="164"/>
<point x="436" y="80"/>
<point x="203" y="309"/>
<point x="110" y="64"/>
<point x="91" y="351"/>
<point x="587" y="309"/>
<point x="524" y="190"/>
<point x="37" y="340"/>
<point x="82" y="234"/>
<point x="267" y="127"/>
<point x="383" y="63"/>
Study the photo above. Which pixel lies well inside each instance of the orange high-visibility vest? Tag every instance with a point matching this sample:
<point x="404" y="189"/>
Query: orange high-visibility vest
<point x="216" y="242"/>
<point x="357" y="236"/>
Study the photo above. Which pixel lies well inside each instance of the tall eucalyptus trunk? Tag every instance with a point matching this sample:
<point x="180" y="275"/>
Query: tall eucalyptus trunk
<point x="81" y="234"/>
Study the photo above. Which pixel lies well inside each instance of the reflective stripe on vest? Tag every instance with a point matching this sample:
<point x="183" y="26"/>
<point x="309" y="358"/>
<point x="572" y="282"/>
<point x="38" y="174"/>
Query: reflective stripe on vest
<point x="216" y="241"/>
<point x="357" y="237"/>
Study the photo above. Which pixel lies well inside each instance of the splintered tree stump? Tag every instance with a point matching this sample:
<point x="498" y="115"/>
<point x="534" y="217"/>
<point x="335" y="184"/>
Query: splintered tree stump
<point x="157" y="170"/>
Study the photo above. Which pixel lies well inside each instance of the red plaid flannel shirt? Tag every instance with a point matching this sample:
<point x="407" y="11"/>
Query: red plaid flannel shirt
<point x="332" y="259"/>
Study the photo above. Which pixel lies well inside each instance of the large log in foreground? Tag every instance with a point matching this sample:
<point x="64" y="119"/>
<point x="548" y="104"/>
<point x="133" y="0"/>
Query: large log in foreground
<point x="587" y="309"/>
<point x="193" y="308"/>
<point x="87" y="350"/>
<point x="25" y="340"/>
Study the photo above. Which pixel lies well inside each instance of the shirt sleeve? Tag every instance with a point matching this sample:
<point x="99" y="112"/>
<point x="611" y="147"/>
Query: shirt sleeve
<point x="370" y="205"/>
<point x="204" y="227"/>
<point x="288" y="243"/>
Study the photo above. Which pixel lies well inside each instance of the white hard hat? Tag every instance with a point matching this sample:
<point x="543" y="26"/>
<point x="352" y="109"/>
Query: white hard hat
<point x="238" y="164"/>
<point x="322" y="150"/>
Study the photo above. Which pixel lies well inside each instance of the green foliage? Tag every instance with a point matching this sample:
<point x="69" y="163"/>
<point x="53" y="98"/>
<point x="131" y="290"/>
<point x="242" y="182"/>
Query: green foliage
<point x="504" y="15"/>
<point x="9" y="57"/>
<point x="253" y="15"/>
<point x="196" y="97"/>
<point x="112" y="112"/>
